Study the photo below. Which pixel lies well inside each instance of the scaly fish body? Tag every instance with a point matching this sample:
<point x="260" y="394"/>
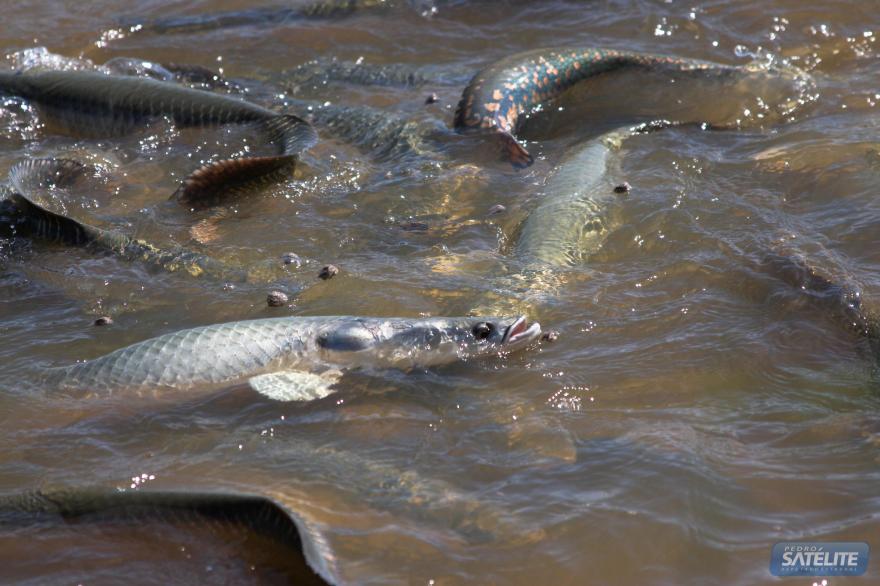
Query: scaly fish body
<point x="98" y="105"/>
<point x="287" y="350"/>
<point x="500" y="94"/>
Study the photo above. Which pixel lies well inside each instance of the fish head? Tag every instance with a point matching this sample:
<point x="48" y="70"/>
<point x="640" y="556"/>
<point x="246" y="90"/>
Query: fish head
<point x="416" y="343"/>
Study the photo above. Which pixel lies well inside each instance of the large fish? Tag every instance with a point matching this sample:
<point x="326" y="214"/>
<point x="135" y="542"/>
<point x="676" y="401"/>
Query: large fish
<point x="288" y="358"/>
<point x="499" y="96"/>
<point x="97" y="105"/>
<point x="306" y="554"/>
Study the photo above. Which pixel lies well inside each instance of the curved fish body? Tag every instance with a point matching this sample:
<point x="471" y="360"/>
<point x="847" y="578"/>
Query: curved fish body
<point x="21" y="215"/>
<point x="98" y="105"/>
<point x="497" y="97"/>
<point x="289" y="358"/>
<point x="254" y="514"/>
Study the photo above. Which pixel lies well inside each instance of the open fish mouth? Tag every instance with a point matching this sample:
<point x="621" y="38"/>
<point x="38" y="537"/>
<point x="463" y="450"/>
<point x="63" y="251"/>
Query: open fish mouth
<point x="521" y="332"/>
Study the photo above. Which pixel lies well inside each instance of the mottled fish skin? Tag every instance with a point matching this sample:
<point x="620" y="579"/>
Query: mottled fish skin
<point x="223" y="354"/>
<point x="254" y="513"/>
<point x="93" y="104"/>
<point x="500" y="94"/>
<point x="29" y="219"/>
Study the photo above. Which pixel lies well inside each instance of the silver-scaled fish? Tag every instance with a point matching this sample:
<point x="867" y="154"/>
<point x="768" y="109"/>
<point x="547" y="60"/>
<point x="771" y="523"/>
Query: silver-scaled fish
<point x="289" y="358"/>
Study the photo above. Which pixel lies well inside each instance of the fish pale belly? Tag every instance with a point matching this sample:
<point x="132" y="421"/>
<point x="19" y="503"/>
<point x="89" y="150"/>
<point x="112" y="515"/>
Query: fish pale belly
<point x="201" y="357"/>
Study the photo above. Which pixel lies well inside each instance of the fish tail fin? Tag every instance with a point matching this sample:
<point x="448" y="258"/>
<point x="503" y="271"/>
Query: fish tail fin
<point x="46" y="225"/>
<point x="515" y="152"/>
<point x="293" y="134"/>
<point x="27" y="177"/>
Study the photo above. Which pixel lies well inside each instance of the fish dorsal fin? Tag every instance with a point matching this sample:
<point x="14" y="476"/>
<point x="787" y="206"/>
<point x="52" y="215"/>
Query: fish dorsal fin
<point x="210" y="183"/>
<point x="294" y="385"/>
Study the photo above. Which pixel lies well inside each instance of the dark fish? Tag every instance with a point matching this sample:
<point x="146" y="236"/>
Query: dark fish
<point x="321" y="71"/>
<point x="842" y="299"/>
<point x="30" y="219"/>
<point x="255" y="514"/>
<point x="93" y="104"/>
<point x="498" y="95"/>
<point x="264" y="15"/>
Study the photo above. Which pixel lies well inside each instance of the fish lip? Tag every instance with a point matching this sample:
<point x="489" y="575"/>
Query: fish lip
<point x="519" y="330"/>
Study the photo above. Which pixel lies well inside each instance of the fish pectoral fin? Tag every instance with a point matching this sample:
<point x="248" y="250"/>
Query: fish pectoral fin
<point x="295" y="385"/>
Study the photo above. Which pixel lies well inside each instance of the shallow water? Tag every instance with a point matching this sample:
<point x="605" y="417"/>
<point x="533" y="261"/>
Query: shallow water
<point x="695" y="409"/>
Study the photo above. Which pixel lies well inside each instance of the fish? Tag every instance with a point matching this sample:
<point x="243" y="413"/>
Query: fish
<point x="270" y="15"/>
<point x="93" y="104"/>
<point x="21" y="215"/>
<point x="841" y="298"/>
<point x="319" y="72"/>
<point x="306" y="552"/>
<point x="497" y="97"/>
<point x="288" y="358"/>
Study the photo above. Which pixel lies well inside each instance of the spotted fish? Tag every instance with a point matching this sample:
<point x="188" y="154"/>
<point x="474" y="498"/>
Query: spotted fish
<point x="97" y="105"/>
<point x="498" y="96"/>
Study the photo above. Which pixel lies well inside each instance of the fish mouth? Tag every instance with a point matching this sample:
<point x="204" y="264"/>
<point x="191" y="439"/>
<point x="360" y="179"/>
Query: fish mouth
<point x="521" y="331"/>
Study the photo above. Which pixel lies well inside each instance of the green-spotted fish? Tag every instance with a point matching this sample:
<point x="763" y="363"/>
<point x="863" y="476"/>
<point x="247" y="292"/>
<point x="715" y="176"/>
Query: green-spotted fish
<point x="499" y="95"/>
<point x="98" y="105"/>
<point x="290" y="358"/>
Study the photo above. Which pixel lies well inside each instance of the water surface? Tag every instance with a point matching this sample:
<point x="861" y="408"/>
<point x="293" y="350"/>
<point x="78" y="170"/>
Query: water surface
<point x="694" y="411"/>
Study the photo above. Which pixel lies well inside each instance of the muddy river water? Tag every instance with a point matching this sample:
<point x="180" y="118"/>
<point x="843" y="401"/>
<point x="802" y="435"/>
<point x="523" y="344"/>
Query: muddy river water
<point x="695" y="409"/>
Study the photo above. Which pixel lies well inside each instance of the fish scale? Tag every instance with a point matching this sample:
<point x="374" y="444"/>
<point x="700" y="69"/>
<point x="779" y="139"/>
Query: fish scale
<point x="498" y="95"/>
<point x="97" y="105"/>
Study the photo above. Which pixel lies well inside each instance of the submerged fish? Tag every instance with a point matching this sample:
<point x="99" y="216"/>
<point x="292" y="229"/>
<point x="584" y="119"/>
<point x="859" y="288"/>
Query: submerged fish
<point x="499" y="95"/>
<point x="97" y="105"/>
<point x="23" y="216"/>
<point x="306" y="553"/>
<point x="290" y="358"/>
<point x="841" y="298"/>
<point x="272" y="15"/>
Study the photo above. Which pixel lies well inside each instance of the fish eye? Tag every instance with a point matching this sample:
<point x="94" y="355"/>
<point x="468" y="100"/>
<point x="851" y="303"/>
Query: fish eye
<point x="483" y="330"/>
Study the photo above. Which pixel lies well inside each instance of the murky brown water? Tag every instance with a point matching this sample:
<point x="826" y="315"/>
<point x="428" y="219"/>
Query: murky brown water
<point x="695" y="410"/>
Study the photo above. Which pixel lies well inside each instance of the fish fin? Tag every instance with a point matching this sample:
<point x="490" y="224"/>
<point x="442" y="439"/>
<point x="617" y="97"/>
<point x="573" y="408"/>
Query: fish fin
<point x="293" y="134"/>
<point x="516" y="153"/>
<point x="53" y="227"/>
<point x="294" y="385"/>
<point x="210" y="183"/>
<point x="33" y="174"/>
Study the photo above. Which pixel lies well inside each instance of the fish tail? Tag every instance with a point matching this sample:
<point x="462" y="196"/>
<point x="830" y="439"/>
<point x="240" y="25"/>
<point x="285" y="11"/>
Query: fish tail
<point x="292" y="133"/>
